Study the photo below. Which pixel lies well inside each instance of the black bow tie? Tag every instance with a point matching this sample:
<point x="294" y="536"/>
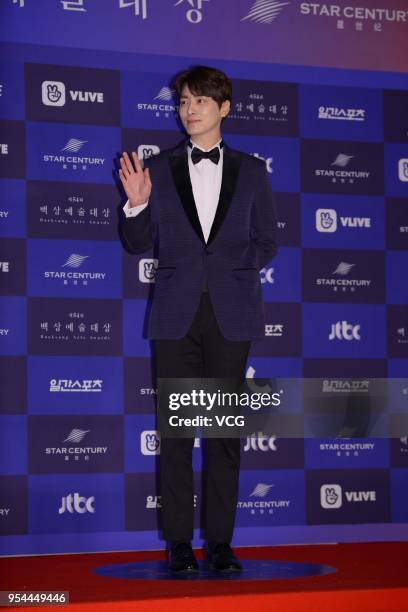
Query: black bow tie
<point x="197" y="155"/>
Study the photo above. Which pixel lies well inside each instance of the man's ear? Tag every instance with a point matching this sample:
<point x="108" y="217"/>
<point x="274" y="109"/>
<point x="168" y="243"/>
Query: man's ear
<point x="225" y="108"/>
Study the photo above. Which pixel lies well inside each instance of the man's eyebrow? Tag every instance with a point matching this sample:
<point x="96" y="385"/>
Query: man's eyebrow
<point x="194" y="96"/>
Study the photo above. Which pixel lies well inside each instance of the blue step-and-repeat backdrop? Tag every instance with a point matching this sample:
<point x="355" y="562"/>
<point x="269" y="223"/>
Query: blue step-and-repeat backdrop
<point x="321" y="94"/>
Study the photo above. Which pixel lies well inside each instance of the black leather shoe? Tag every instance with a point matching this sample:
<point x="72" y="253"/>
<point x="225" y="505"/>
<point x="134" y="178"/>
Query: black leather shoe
<point x="221" y="558"/>
<point x="181" y="558"/>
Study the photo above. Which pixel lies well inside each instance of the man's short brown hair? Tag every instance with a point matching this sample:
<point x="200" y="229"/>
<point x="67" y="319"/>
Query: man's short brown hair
<point x="205" y="81"/>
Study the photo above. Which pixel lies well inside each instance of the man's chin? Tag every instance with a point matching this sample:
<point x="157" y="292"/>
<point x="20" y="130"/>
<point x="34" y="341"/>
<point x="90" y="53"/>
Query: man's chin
<point x="194" y="130"/>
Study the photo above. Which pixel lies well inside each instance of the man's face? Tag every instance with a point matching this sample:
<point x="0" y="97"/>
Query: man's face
<point x="201" y="115"/>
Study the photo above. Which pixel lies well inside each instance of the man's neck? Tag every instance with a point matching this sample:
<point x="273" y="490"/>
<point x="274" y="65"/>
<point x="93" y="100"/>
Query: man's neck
<point x="206" y="143"/>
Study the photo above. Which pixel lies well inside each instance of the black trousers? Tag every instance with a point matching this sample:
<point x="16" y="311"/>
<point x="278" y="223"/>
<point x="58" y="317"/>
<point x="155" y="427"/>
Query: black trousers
<point x="203" y="352"/>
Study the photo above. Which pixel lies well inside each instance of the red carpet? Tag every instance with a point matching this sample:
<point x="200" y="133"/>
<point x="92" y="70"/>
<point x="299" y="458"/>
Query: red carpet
<point x="370" y="576"/>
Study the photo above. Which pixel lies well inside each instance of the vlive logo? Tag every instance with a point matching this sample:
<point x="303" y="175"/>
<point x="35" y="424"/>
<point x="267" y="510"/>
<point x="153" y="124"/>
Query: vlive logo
<point x="342" y="176"/>
<point x="53" y="93"/>
<point x="340" y="282"/>
<point x="403" y="170"/>
<point x="327" y="221"/>
<point x="268" y="162"/>
<point x="344" y="331"/>
<point x="146" y="151"/>
<point x="73" y="162"/>
<point x="331" y="496"/>
<point x="4" y="266"/>
<point x="341" y="114"/>
<point x="147" y="270"/>
<point x="260" y="442"/>
<point x="74" y="503"/>
<point x="150" y="442"/>
<point x="265" y="11"/>
<point x="4" y="148"/>
<point x="75" y="261"/>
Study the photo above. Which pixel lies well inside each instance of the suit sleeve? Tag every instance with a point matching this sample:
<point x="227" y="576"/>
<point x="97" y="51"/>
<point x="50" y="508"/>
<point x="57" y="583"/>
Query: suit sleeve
<point x="137" y="232"/>
<point x="264" y="221"/>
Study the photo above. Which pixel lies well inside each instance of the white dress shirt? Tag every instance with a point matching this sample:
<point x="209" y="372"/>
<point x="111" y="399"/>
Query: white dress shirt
<point x="206" y="180"/>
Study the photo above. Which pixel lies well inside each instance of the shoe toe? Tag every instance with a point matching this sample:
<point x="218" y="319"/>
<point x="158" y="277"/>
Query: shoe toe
<point x="182" y="559"/>
<point x="224" y="560"/>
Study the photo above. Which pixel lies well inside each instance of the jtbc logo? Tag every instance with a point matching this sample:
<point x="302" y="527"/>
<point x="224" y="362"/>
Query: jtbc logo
<point x="344" y="331"/>
<point x="268" y="162"/>
<point x="266" y="275"/>
<point x="77" y="503"/>
<point x="260" y="442"/>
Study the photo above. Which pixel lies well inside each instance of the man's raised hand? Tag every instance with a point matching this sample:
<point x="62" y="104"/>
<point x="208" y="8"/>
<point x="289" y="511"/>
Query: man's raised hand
<point x="136" y="181"/>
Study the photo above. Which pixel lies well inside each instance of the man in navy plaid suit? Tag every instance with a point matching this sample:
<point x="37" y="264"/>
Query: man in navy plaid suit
<point x="209" y="211"/>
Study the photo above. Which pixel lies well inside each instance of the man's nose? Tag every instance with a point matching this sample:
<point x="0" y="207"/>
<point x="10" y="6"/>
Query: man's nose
<point x="191" y="108"/>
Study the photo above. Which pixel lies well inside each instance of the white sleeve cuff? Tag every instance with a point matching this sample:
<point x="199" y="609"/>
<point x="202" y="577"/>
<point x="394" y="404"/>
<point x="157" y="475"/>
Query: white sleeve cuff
<point x="133" y="211"/>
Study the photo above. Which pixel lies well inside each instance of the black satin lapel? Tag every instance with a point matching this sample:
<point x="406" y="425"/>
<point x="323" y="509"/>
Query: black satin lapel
<point x="181" y="177"/>
<point x="230" y="172"/>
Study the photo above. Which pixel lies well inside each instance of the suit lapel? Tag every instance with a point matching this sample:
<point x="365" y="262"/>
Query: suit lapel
<point x="181" y="177"/>
<point x="230" y="170"/>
